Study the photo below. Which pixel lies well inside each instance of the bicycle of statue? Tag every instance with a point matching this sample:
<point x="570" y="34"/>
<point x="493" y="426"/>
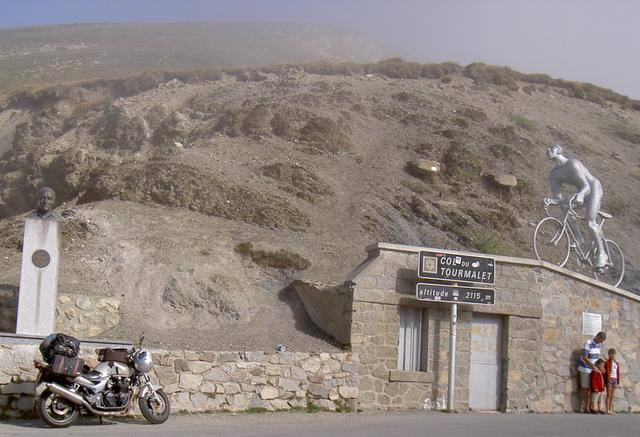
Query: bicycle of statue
<point x="554" y="240"/>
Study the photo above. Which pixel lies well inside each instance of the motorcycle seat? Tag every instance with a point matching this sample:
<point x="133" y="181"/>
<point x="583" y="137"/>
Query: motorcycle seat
<point x="92" y="374"/>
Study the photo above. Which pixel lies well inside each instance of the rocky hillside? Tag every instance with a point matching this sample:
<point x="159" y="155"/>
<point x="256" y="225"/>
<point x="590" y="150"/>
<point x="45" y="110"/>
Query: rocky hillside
<point x="196" y="198"/>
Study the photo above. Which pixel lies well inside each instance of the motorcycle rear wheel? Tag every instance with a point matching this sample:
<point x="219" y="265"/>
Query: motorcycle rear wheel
<point x="56" y="411"/>
<point x="155" y="409"/>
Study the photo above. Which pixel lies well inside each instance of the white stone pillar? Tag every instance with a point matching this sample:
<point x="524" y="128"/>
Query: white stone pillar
<point x="38" y="277"/>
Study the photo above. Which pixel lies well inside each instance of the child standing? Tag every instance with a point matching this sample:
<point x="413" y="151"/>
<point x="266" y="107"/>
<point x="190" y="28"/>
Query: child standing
<point x="597" y="389"/>
<point x="611" y="378"/>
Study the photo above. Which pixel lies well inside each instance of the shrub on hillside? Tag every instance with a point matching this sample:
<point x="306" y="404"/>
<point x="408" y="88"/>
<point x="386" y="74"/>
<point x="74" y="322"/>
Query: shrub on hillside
<point x="280" y="259"/>
<point x="461" y="164"/>
<point x="523" y="122"/>
<point x="333" y="69"/>
<point x="326" y="134"/>
<point x="440" y="70"/>
<point x="396" y="68"/>
<point x="483" y="74"/>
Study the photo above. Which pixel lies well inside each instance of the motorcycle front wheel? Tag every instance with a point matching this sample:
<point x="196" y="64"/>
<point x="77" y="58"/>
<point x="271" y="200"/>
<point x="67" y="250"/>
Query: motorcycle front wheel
<point x="155" y="409"/>
<point x="57" y="411"/>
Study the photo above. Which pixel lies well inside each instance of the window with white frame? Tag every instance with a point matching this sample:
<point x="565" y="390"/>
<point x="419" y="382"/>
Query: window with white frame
<point x="410" y="338"/>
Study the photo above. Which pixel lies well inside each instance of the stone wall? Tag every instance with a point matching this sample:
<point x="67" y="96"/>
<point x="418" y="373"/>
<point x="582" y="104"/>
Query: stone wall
<point x="16" y="381"/>
<point x="541" y="308"/>
<point x="86" y="316"/>
<point x="77" y="315"/>
<point x="8" y="308"/>
<point x="564" y="300"/>
<point x="212" y="381"/>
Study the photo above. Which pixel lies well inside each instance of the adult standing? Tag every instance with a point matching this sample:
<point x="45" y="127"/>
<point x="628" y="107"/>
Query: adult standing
<point x="590" y="354"/>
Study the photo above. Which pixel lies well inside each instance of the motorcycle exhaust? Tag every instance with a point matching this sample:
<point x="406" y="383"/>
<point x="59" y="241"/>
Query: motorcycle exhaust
<point x="79" y="400"/>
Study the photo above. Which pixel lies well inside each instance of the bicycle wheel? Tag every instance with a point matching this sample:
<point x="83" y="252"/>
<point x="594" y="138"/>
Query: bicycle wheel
<point x="551" y="241"/>
<point x="614" y="270"/>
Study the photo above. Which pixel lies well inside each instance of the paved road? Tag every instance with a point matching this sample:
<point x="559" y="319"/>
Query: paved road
<point x="395" y="424"/>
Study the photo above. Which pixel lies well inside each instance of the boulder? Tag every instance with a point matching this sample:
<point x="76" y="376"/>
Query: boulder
<point x="423" y="168"/>
<point x="504" y="180"/>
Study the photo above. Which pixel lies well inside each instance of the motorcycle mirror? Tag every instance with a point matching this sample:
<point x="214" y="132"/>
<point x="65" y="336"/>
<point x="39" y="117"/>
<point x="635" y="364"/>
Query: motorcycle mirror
<point x="141" y="340"/>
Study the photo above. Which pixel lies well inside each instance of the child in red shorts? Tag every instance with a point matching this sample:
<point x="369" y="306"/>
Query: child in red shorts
<point x="597" y="389"/>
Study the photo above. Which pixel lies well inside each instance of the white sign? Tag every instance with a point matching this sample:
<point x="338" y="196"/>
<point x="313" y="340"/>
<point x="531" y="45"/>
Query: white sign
<point x="591" y="323"/>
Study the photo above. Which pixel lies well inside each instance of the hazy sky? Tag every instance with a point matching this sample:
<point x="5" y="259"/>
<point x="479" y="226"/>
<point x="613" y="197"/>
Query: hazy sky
<point x="586" y="40"/>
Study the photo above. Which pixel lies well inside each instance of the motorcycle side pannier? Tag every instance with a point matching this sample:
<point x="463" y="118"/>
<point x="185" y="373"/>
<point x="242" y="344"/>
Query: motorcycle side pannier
<point x="117" y="355"/>
<point x="66" y="366"/>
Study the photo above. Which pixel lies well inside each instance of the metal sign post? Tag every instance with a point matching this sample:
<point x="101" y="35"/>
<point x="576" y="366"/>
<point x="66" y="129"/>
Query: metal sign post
<point x="452" y="355"/>
<point x="441" y="266"/>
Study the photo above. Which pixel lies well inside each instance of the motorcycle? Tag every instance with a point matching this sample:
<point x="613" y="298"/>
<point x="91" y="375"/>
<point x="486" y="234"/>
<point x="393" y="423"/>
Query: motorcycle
<point x="65" y="386"/>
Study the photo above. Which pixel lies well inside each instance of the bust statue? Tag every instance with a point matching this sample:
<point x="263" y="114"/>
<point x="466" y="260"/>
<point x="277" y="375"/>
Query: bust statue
<point x="44" y="207"/>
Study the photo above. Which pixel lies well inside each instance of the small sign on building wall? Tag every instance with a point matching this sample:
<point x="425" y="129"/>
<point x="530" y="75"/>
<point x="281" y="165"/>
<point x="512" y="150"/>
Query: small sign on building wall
<point x="591" y="323"/>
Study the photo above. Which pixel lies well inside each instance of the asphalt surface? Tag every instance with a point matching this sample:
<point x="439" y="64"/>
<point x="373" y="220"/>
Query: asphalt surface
<point x="370" y="424"/>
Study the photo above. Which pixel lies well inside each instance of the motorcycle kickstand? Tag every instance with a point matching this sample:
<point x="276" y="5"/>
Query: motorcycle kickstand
<point x="100" y="417"/>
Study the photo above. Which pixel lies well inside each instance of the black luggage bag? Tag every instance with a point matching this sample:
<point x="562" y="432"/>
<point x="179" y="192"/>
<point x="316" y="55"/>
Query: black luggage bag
<point x="59" y="344"/>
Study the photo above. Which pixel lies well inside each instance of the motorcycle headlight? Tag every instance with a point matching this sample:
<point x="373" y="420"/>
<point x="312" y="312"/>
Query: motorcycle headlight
<point x="142" y="361"/>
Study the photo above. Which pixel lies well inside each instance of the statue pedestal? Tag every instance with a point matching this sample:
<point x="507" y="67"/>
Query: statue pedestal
<point x="38" y="277"/>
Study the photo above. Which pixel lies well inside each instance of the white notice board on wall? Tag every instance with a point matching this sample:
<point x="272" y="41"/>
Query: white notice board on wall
<point x="591" y="323"/>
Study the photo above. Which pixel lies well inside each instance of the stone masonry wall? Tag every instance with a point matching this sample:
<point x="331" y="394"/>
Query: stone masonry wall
<point x="212" y="381"/>
<point x="375" y="328"/>
<point x="8" y="308"/>
<point x="77" y="315"/>
<point x="541" y="308"/>
<point x="86" y="316"/>
<point x="564" y="300"/>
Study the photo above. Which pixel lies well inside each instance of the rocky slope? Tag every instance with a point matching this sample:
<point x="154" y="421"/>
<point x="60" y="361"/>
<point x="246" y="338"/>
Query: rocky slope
<point x="166" y="176"/>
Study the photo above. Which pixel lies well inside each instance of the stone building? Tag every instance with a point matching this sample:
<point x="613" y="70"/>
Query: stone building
<point x="518" y="354"/>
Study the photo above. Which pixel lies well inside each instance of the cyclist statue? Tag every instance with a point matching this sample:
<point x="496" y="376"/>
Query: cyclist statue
<point x="589" y="192"/>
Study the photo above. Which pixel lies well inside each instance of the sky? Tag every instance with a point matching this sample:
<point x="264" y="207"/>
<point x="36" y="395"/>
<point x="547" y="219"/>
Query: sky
<point x="583" y="40"/>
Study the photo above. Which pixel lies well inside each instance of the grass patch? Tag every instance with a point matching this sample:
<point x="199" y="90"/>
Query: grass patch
<point x="312" y="408"/>
<point x="474" y="114"/>
<point x="635" y="173"/>
<point x="486" y="241"/>
<point x="523" y="122"/>
<point x="420" y="209"/>
<point x="280" y="259"/>
<point x="415" y="186"/>
<point x="255" y="410"/>
<point x="461" y="164"/>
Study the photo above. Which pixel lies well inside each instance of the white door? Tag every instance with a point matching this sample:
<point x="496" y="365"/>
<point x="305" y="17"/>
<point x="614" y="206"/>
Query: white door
<point x="486" y="365"/>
